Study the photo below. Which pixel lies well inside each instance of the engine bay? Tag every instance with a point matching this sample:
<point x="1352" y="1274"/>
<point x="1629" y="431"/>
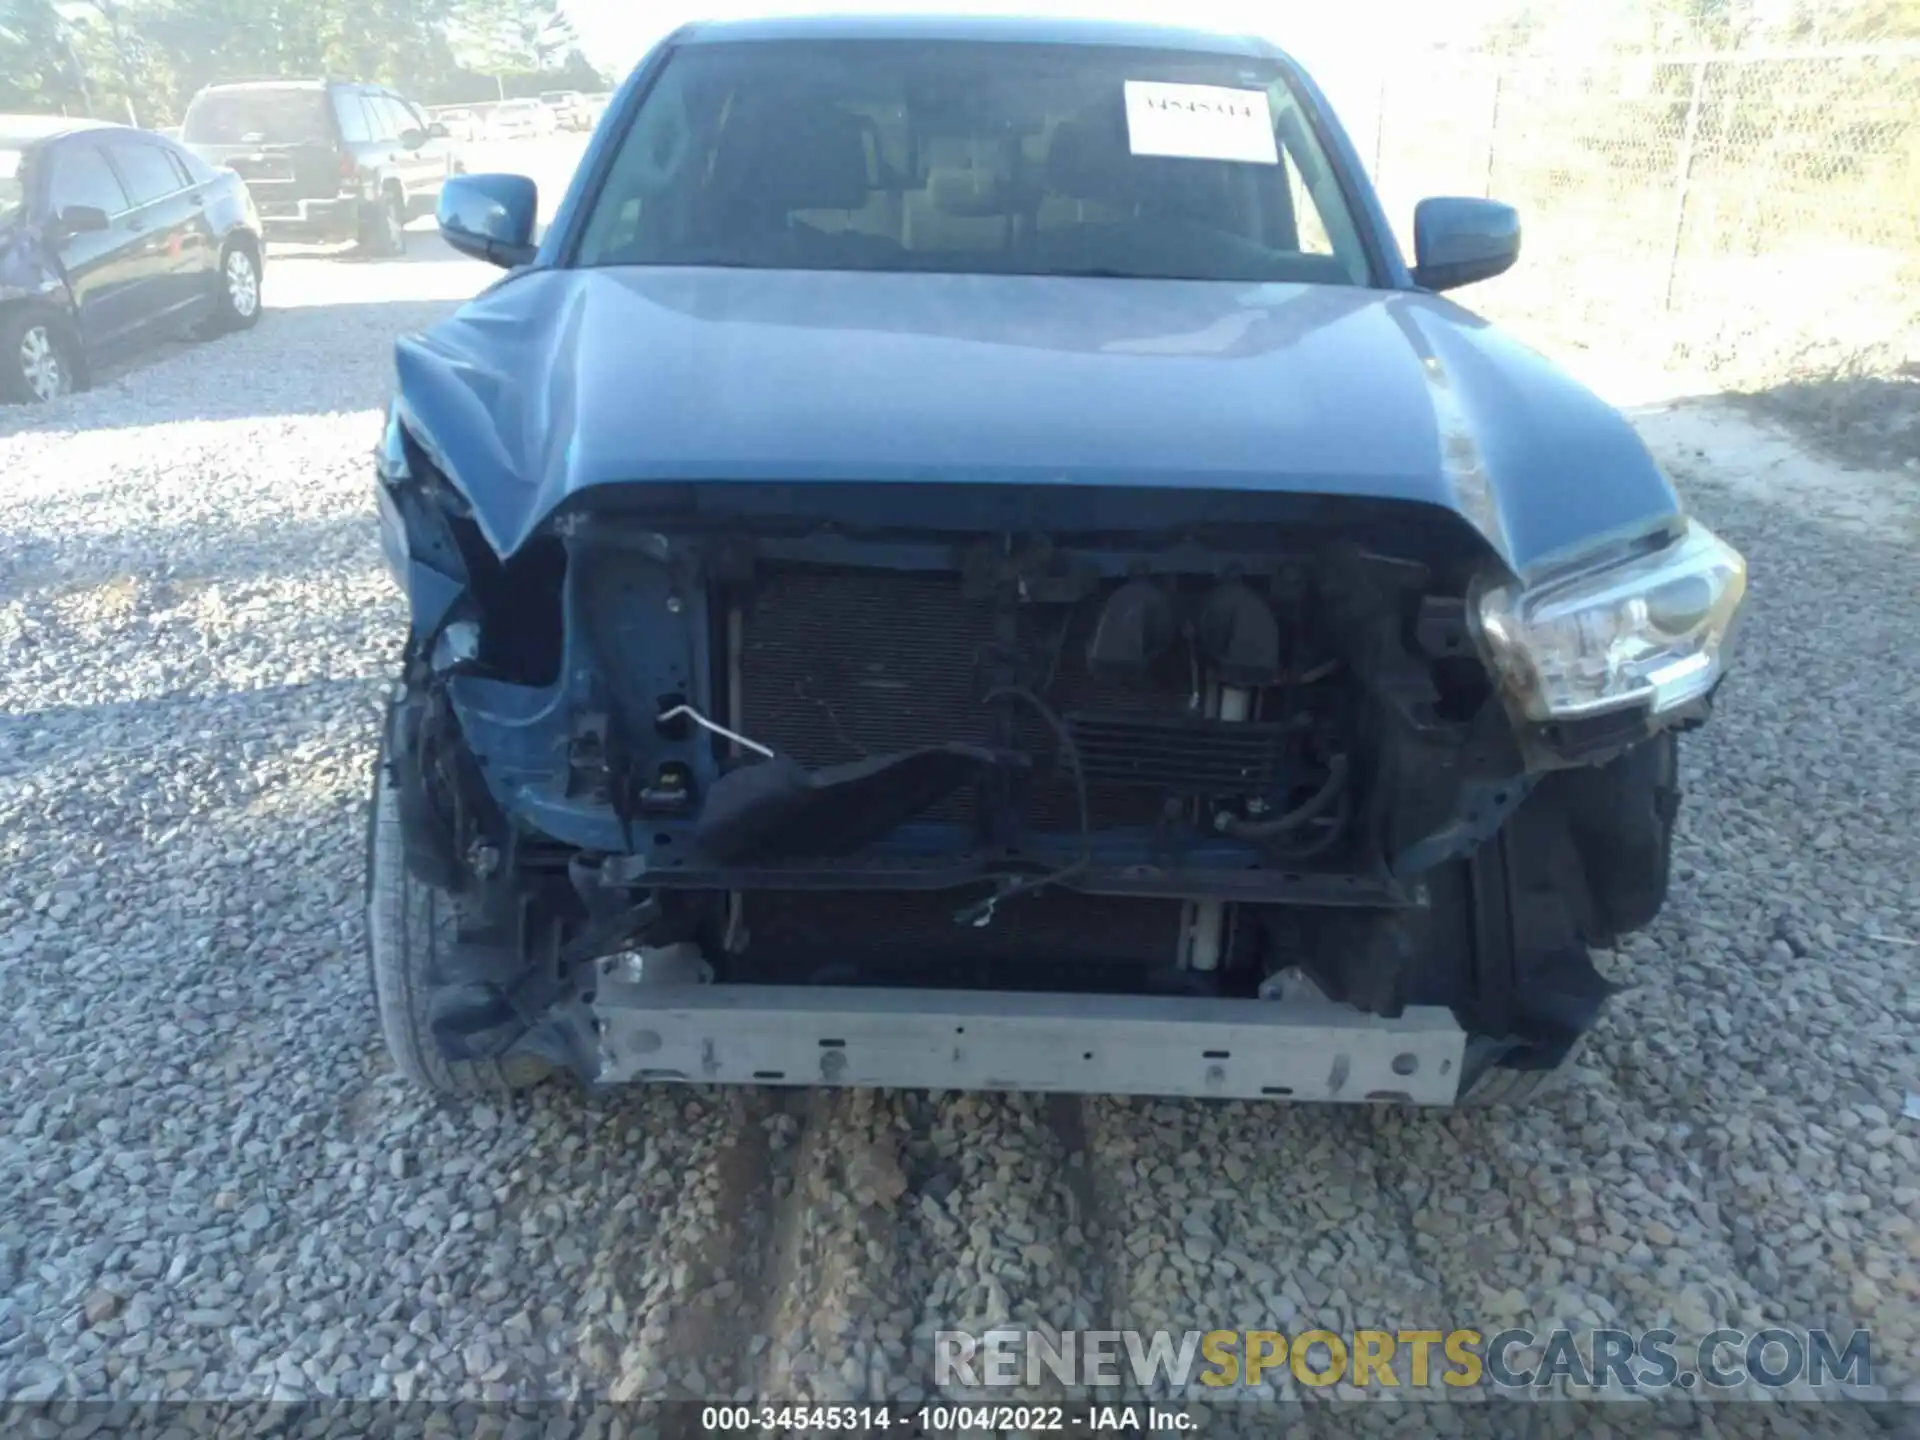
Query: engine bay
<point x="1060" y="761"/>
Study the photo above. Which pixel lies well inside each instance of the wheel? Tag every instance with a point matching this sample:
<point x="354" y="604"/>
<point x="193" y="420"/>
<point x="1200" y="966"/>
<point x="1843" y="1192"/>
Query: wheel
<point x="1498" y="1087"/>
<point x="407" y="925"/>
<point x="237" y="301"/>
<point x="383" y="229"/>
<point x="36" y="361"/>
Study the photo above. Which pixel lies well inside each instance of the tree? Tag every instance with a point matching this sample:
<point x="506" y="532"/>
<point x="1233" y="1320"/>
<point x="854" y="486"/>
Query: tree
<point x="513" y="35"/>
<point x="38" y="69"/>
<point x="1825" y="22"/>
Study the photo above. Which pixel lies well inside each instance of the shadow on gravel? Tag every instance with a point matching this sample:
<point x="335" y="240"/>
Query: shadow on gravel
<point x="1867" y="422"/>
<point x="323" y="359"/>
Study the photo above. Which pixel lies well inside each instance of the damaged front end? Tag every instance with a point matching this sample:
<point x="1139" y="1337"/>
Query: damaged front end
<point x="798" y="783"/>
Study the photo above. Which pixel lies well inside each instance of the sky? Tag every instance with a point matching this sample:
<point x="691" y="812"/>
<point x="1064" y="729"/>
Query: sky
<point x="615" y="33"/>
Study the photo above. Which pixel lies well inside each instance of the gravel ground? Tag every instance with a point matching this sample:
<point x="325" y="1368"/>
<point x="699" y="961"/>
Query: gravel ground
<point x="211" y="1185"/>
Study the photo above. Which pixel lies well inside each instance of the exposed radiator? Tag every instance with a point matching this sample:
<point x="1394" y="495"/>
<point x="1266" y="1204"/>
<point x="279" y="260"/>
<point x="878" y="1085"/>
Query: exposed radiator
<point x="840" y="665"/>
<point x="837" y="665"/>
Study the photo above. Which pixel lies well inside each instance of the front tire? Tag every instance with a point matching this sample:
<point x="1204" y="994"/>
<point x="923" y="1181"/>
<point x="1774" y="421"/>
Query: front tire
<point x="37" y="361"/>
<point x="409" y="924"/>
<point x="237" y="296"/>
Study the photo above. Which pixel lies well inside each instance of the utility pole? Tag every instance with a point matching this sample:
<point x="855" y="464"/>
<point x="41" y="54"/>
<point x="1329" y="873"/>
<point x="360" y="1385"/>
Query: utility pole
<point x="78" y="68"/>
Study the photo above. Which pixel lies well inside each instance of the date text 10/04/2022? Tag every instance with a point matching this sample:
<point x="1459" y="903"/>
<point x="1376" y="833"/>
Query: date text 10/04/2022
<point x="930" y="1420"/>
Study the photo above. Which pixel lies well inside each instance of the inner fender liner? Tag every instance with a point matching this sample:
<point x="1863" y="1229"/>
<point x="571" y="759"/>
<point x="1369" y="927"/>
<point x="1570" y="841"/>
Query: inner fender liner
<point x="1535" y="982"/>
<point x="1619" y="823"/>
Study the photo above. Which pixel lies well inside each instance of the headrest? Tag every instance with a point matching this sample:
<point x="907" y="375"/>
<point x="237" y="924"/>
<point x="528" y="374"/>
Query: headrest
<point x="803" y="156"/>
<point x="1090" y="161"/>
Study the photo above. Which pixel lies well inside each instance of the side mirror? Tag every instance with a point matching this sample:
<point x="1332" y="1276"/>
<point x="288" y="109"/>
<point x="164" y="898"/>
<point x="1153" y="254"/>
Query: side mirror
<point x="438" y="131"/>
<point x="490" y="217"/>
<point x="80" y="220"/>
<point x="1457" y="241"/>
<point x="412" y="138"/>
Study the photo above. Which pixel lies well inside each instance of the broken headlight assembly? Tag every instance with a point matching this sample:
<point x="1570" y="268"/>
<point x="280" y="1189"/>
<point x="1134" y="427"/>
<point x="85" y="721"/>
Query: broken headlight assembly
<point x="1626" y="626"/>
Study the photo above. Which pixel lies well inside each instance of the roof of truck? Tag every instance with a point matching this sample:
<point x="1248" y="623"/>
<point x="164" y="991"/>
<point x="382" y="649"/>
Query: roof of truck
<point x="1030" y="29"/>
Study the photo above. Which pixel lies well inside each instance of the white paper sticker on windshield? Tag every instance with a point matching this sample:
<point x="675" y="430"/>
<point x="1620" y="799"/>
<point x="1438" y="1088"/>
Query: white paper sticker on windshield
<point x="1200" y="122"/>
<point x="9" y="164"/>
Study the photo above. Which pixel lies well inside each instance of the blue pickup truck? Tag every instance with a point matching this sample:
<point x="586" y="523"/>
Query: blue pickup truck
<point x="965" y="557"/>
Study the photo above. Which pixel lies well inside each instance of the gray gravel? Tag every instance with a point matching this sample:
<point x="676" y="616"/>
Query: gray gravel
<point x="212" y="1186"/>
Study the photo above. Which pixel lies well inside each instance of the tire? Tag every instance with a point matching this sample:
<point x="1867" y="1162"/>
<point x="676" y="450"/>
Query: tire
<point x="237" y="296"/>
<point x="37" y="360"/>
<point x="383" y="228"/>
<point x="1500" y="1088"/>
<point x="407" y="923"/>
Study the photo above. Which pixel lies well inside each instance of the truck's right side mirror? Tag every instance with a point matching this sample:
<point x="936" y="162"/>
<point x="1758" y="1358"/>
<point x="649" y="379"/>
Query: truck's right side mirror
<point x="1458" y="240"/>
<point x="490" y="217"/>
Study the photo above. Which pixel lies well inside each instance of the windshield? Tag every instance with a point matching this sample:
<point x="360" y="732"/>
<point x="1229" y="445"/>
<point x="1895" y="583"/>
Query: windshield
<point x="976" y="158"/>
<point x="12" y="185"/>
<point x="258" y="117"/>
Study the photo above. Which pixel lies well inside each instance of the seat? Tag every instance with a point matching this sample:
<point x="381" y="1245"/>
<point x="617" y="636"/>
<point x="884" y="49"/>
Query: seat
<point x="963" y="205"/>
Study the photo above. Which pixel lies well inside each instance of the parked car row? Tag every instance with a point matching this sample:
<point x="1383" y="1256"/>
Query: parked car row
<point x="520" y="120"/>
<point x="523" y="117"/>
<point x="113" y="237"/>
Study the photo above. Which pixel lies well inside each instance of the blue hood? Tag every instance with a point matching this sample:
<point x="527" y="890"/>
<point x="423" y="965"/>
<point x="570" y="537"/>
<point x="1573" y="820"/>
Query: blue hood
<point x="556" y="382"/>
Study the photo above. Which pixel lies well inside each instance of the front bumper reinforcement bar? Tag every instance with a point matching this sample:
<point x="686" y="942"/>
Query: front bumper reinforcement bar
<point x="968" y="1040"/>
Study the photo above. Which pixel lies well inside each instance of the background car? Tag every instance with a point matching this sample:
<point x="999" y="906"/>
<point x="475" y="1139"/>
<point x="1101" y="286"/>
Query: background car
<point x="326" y="160"/>
<point x="570" y="110"/>
<point x="461" y="121"/>
<point x="111" y="237"/>
<point x="520" y="120"/>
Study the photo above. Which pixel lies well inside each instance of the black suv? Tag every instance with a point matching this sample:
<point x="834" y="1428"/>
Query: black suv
<point x="325" y="159"/>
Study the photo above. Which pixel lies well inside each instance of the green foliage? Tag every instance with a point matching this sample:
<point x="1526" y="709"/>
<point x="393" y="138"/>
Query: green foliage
<point x="145" y="58"/>
<point x="1697" y="25"/>
<point x="1862" y="21"/>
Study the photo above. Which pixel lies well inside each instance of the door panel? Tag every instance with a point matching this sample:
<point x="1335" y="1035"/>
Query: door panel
<point x="383" y="118"/>
<point x="102" y="266"/>
<point x="428" y="165"/>
<point x="200" y="246"/>
<point x="174" y="270"/>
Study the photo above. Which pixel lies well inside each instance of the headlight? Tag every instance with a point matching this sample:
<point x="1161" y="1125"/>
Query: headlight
<point x="1648" y="628"/>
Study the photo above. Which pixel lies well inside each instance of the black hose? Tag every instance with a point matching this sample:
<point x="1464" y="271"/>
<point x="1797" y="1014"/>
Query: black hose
<point x="1321" y="843"/>
<point x="1329" y="791"/>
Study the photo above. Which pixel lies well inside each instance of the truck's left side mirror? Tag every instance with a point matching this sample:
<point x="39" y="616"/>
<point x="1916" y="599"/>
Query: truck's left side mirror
<point x="1458" y="240"/>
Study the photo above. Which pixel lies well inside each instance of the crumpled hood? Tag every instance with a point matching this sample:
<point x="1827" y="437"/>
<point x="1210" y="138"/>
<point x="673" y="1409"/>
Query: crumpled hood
<point x="556" y="382"/>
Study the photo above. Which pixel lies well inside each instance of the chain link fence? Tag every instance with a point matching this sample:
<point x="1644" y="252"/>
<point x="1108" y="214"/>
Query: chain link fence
<point x="1751" y="215"/>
